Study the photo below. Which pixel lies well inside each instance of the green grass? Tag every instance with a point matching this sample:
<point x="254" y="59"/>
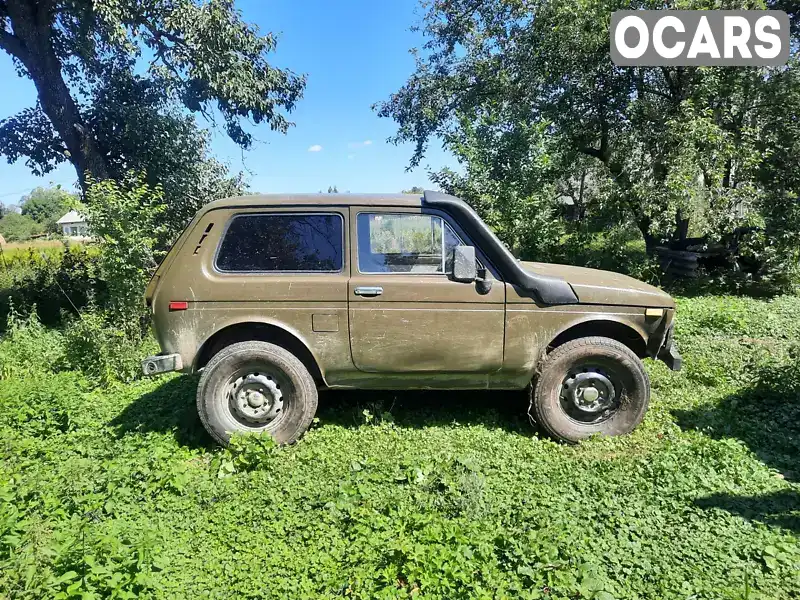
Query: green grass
<point x="118" y="492"/>
<point x="12" y="251"/>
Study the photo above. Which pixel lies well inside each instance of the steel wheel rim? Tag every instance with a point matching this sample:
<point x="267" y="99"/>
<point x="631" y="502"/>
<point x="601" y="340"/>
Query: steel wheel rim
<point x="590" y="394"/>
<point x="258" y="396"/>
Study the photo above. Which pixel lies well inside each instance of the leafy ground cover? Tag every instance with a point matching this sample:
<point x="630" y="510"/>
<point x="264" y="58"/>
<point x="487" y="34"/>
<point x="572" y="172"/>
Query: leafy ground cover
<point x="117" y="491"/>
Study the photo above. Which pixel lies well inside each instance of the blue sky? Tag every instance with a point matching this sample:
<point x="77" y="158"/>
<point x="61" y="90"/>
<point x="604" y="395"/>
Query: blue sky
<point x="355" y="53"/>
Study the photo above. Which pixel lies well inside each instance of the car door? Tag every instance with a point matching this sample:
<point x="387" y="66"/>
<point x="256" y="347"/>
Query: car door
<point x="406" y="314"/>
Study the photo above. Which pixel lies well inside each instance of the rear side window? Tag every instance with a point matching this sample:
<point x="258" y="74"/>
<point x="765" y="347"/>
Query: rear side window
<point x="282" y="242"/>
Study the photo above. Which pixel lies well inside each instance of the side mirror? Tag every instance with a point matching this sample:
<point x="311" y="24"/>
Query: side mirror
<point x="465" y="268"/>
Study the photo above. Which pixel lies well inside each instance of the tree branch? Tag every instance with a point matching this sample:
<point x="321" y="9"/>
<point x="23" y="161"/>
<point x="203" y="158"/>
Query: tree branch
<point x="162" y="49"/>
<point x="646" y="89"/>
<point x="670" y="84"/>
<point x="44" y="12"/>
<point x="158" y="38"/>
<point x="593" y="152"/>
<point x="13" y="45"/>
<point x="603" y="153"/>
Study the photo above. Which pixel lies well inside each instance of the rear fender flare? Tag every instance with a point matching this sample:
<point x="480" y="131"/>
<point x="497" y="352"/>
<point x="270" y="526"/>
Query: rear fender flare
<point x="260" y="326"/>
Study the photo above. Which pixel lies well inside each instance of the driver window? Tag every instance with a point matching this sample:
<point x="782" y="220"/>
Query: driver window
<point x="404" y="243"/>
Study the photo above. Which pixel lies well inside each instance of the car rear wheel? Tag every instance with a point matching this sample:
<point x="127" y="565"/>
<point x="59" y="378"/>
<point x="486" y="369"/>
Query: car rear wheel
<point x="256" y="387"/>
<point x="590" y="386"/>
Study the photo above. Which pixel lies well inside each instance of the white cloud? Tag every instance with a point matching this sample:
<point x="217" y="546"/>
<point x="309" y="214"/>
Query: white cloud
<point x="359" y="144"/>
<point x="315" y="148"/>
<point x="351" y="156"/>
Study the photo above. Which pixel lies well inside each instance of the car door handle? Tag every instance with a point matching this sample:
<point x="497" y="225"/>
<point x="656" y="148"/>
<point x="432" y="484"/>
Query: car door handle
<point x="368" y="292"/>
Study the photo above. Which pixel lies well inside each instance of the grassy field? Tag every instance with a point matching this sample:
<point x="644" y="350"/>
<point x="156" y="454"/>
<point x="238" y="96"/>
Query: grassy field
<point x="35" y="244"/>
<point x="118" y="492"/>
<point x="10" y="250"/>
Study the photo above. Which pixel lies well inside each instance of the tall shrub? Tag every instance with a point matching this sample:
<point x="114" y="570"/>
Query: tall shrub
<point x="126" y="219"/>
<point x="54" y="283"/>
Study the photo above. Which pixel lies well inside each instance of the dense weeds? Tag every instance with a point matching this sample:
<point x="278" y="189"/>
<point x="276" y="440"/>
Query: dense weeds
<point x="113" y="489"/>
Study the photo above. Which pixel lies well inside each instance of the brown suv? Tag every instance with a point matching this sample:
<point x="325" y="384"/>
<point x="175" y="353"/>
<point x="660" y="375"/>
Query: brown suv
<point x="273" y="297"/>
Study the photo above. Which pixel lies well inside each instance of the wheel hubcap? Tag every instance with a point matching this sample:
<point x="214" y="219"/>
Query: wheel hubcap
<point x="256" y="397"/>
<point x="588" y="395"/>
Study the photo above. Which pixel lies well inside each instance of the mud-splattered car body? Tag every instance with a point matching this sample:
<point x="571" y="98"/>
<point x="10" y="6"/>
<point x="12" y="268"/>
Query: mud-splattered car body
<point x="383" y="305"/>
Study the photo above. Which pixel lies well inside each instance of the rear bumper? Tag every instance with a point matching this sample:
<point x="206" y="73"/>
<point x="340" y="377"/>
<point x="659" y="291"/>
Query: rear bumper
<point x="162" y="363"/>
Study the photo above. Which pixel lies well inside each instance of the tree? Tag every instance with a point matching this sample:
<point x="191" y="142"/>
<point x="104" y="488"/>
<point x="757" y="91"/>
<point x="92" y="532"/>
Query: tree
<point x="414" y="190"/>
<point x="47" y="205"/>
<point x="526" y="94"/>
<point x="153" y="139"/>
<point x="518" y="204"/>
<point x="188" y="54"/>
<point x="15" y="227"/>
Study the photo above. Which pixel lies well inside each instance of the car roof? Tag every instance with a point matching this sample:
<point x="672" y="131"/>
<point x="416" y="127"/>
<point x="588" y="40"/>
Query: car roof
<point x="321" y="199"/>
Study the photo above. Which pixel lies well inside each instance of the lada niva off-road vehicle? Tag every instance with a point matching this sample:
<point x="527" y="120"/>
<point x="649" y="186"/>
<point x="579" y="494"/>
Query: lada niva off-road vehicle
<point x="273" y="297"/>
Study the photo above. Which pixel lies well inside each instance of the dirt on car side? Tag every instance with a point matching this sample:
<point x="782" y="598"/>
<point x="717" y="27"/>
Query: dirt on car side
<point x="393" y="292"/>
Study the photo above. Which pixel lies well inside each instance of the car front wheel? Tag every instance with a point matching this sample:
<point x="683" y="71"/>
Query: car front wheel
<point x="590" y="386"/>
<point x="256" y="387"/>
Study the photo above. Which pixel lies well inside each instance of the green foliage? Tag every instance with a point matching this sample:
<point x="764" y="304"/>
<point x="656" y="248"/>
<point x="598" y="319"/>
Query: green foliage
<point x="245" y="453"/>
<point x="89" y="344"/>
<point x="527" y="98"/>
<point x="118" y="491"/>
<point x="774" y="246"/>
<point x="101" y="350"/>
<point x="47" y="205"/>
<point x="203" y="58"/>
<point x="15" y="227"/>
<point x="165" y="145"/>
<point x="522" y="213"/>
<point x="125" y="217"/>
<point x="53" y="283"/>
<point x="28" y="347"/>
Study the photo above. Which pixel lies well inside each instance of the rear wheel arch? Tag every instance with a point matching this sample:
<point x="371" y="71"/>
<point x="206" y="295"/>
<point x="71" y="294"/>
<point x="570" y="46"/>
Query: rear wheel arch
<point x="256" y="331"/>
<point x="608" y="328"/>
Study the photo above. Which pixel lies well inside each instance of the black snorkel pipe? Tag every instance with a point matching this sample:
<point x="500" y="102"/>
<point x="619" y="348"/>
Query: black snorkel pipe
<point x="544" y="289"/>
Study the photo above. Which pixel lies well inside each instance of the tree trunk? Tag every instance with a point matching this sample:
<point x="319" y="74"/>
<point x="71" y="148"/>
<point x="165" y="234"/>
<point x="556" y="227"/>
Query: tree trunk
<point x="31" y="44"/>
<point x="650" y="240"/>
<point x="579" y="203"/>
<point x="681" y="226"/>
<point x="642" y="222"/>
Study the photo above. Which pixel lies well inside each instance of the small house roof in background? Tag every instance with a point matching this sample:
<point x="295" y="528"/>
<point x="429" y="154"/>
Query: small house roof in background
<point x="71" y="217"/>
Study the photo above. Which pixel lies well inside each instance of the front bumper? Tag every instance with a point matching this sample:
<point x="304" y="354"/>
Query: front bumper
<point x="669" y="354"/>
<point x="162" y="363"/>
<point x="671" y="357"/>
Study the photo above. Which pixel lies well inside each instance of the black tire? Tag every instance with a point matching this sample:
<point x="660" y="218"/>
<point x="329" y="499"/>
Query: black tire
<point x="249" y="364"/>
<point x="557" y="403"/>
